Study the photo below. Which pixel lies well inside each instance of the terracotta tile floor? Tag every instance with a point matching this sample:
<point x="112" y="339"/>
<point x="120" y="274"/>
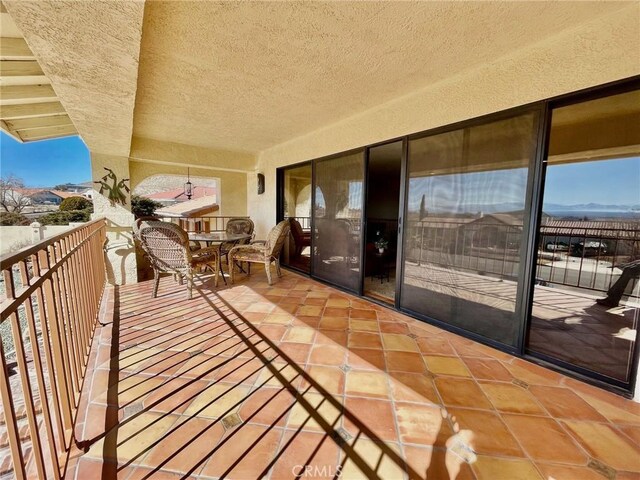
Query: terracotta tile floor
<point x="251" y="381"/>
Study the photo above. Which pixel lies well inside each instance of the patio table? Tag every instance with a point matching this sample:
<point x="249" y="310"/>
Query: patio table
<point x="217" y="239"/>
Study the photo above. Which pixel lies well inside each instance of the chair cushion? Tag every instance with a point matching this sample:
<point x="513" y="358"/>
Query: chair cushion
<point x="249" y="255"/>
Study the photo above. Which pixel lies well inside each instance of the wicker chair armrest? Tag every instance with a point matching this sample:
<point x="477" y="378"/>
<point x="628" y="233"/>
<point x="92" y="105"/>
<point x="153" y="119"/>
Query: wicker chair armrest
<point x="258" y="242"/>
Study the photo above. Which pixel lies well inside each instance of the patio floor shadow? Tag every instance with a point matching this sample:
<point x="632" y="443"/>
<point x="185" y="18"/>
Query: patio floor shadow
<point x="299" y="380"/>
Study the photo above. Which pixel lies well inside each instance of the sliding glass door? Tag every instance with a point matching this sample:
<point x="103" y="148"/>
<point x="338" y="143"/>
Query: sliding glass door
<point x="586" y="304"/>
<point x="537" y="255"/>
<point x="337" y="220"/>
<point x="464" y="225"/>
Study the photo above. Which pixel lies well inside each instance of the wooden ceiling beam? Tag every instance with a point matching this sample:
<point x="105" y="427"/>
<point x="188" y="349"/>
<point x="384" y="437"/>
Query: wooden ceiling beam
<point x="17" y="94"/>
<point x="43" y="133"/>
<point x="20" y="68"/>
<point x="38" y="122"/>
<point x="5" y="128"/>
<point x="31" y="110"/>
<point x="15" y="49"/>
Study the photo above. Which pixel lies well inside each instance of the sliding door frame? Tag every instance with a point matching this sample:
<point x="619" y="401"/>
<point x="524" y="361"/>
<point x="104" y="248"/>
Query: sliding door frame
<point x="585" y="374"/>
<point x="365" y="226"/>
<point x="315" y="162"/>
<point x="525" y="270"/>
<point x="531" y="224"/>
<point x="280" y="186"/>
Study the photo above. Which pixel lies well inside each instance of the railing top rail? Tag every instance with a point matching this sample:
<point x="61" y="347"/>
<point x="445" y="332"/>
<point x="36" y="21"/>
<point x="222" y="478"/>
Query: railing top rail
<point x="10" y="259"/>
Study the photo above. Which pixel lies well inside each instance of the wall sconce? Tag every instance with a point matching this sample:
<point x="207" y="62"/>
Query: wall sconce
<point x="188" y="187"/>
<point x="260" y="184"/>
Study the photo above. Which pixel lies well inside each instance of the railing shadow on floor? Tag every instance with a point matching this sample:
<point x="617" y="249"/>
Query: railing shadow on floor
<point x="252" y="343"/>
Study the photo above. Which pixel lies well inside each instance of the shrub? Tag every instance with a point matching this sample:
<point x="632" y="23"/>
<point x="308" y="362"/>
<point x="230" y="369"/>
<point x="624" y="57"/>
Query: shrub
<point x="76" y="203"/>
<point x="13" y="218"/>
<point x="65" y="217"/>
<point x="143" y="206"/>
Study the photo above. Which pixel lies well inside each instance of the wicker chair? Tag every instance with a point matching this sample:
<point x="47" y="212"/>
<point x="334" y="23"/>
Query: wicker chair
<point x="264" y="252"/>
<point x="236" y="226"/>
<point x="300" y="237"/>
<point x="138" y="224"/>
<point x="167" y="246"/>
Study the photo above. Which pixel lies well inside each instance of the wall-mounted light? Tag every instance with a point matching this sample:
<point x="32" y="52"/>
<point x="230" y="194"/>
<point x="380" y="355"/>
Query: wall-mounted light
<point x="260" y="184"/>
<point x="188" y="187"/>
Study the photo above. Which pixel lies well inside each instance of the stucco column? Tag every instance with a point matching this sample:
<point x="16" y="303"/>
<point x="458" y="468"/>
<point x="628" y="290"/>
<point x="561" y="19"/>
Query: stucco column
<point x="121" y="257"/>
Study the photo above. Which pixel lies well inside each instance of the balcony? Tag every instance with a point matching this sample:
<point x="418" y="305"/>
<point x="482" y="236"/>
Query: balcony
<point x="253" y="381"/>
<point x="299" y="379"/>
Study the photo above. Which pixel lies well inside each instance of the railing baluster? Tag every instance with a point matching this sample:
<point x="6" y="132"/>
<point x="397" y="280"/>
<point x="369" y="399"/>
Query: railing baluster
<point x="62" y="336"/>
<point x="72" y="337"/>
<point x="10" y="420"/>
<point x="58" y="357"/>
<point x="21" y="360"/>
<point x="77" y="301"/>
<point x="48" y="355"/>
<point x="37" y="360"/>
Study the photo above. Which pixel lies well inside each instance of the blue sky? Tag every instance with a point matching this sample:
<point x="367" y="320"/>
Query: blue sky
<point x="607" y="182"/>
<point x="45" y="163"/>
<point x="612" y="182"/>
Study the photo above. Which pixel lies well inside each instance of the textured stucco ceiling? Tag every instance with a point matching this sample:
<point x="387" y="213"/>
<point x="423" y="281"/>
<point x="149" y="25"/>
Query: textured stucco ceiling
<point x="249" y="75"/>
<point x="89" y="50"/>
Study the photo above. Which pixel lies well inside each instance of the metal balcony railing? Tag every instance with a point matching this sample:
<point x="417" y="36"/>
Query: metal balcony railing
<point x="51" y="295"/>
<point x="305" y="222"/>
<point x="204" y="223"/>
<point x="583" y="255"/>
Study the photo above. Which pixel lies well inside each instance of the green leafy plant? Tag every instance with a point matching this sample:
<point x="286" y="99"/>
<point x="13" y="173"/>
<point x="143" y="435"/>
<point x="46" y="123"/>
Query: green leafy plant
<point x="381" y="243"/>
<point x="64" y="217"/>
<point x="143" y="206"/>
<point x="13" y="218"/>
<point x="76" y="203"/>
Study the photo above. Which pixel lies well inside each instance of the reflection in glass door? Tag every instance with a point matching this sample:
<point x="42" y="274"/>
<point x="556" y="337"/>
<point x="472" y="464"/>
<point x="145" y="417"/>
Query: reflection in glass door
<point x="464" y="225"/>
<point x="337" y="220"/>
<point x="296" y="206"/>
<point x="586" y="299"/>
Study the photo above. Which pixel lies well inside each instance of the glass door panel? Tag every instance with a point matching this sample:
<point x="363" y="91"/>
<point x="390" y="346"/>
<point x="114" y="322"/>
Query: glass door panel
<point x="296" y="205"/>
<point x="337" y="220"/>
<point x="463" y="225"/>
<point x="384" y="166"/>
<point x="586" y="299"/>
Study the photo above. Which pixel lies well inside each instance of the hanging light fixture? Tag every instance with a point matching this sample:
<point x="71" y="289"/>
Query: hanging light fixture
<point x="188" y="187"/>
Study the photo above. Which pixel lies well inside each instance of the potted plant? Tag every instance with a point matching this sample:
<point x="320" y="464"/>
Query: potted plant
<point x="381" y="244"/>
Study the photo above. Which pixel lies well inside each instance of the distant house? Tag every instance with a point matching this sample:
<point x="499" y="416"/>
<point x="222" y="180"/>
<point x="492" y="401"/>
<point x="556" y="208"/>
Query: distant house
<point x="40" y="196"/>
<point x="176" y="195"/>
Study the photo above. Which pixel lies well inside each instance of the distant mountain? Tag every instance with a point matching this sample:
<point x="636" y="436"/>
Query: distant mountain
<point x="594" y="207"/>
<point x="549" y="208"/>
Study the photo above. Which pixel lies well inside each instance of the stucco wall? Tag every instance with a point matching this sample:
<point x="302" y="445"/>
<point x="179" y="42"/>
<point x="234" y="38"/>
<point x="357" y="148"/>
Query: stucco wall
<point x="147" y="149"/>
<point x="595" y="53"/>
<point x="15" y="238"/>
<point x="232" y="187"/>
<point x="151" y="157"/>
<point x="121" y="268"/>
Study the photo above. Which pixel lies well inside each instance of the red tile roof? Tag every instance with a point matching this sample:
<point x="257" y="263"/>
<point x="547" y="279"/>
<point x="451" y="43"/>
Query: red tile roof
<point x="28" y="192"/>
